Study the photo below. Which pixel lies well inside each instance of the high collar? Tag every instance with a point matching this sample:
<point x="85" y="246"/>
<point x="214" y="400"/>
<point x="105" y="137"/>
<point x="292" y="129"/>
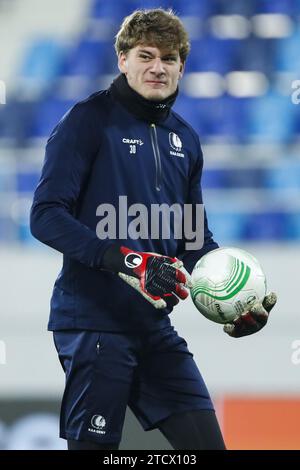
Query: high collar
<point x="152" y="111"/>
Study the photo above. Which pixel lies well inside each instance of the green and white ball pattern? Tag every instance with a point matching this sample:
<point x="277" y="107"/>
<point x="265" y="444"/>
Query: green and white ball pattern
<point x="226" y="282"/>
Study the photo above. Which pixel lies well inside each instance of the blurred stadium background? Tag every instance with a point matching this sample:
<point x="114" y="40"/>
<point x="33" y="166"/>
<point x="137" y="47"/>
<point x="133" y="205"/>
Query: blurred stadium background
<point x="237" y="94"/>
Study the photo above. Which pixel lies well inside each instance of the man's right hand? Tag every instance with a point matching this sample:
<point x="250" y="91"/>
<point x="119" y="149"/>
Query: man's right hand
<point x="160" y="279"/>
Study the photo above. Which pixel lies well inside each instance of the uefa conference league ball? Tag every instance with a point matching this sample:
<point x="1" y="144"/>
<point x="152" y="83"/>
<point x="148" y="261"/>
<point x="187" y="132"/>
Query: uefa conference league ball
<point x="226" y="282"/>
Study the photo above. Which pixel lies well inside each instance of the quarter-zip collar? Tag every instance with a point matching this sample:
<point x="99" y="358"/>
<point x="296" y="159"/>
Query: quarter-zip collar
<point x="148" y="110"/>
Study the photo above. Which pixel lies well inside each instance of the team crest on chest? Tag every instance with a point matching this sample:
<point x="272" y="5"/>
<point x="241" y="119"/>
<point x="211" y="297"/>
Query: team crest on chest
<point x="175" y="144"/>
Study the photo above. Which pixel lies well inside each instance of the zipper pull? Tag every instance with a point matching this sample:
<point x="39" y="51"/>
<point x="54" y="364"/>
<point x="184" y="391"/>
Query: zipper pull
<point x="98" y="348"/>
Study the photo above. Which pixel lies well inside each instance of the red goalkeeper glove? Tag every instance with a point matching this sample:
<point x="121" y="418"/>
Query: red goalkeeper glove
<point x="252" y="321"/>
<point x="160" y="279"/>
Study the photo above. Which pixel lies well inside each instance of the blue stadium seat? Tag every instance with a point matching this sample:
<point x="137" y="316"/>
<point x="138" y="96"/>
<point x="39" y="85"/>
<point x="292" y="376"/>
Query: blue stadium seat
<point x="15" y="119"/>
<point x="7" y="178"/>
<point x="105" y="9"/>
<point x="200" y="9"/>
<point x="287" y="57"/>
<point x="297" y="119"/>
<point x="227" y="227"/>
<point x="285" y="176"/>
<point x="233" y="7"/>
<point x="24" y="235"/>
<point x="276" y="6"/>
<point x="117" y="9"/>
<point x="186" y="108"/>
<point x="89" y="58"/>
<point x="26" y="181"/>
<point x="213" y="179"/>
<point x="255" y="54"/>
<point x="211" y="54"/>
<point x="214" y="118"/>
<point x="293" y="226"/>
<point x="221" y="178"/>
<point x="265" y="226"/>
<point x="270" y="118"/>
<point x="42" y="62"/>
<point x="130" y="5"/>
<point x="229" y="119"/>
<point x="8" y="230"/>
<point x="48" y="113"/>
<point x="221" y="119"/>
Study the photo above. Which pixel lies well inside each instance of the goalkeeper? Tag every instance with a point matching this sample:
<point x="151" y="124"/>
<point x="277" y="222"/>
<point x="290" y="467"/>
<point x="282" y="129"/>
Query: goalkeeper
<point x="112" y="299"/>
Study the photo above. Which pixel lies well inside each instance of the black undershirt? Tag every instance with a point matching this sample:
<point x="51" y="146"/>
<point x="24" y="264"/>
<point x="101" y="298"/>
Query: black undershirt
<point x="148" y="110"/>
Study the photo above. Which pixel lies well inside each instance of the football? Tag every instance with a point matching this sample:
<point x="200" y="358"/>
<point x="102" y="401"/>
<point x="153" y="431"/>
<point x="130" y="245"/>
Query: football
<point x="226" y="282"/>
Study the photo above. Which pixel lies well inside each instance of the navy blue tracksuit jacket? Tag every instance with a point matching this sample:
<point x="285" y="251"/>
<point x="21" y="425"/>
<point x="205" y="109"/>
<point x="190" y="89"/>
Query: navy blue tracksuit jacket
<point x="90" y="161"/>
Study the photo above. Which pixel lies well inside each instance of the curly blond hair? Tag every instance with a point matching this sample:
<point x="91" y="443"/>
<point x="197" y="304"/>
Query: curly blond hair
<point x="156" y="27"/>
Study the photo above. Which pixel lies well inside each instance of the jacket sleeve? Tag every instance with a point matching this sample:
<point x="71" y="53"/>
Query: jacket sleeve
<point x="191" y="256"/>
<point x="69" y="156"/>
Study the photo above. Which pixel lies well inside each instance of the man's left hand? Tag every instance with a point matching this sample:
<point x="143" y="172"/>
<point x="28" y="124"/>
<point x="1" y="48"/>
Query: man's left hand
<point x="252" y="321"/>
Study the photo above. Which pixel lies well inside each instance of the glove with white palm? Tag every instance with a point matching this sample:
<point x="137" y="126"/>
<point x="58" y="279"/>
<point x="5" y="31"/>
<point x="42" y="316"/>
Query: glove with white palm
<point x="159" y="279"/>
<point x="252" y="321"/>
